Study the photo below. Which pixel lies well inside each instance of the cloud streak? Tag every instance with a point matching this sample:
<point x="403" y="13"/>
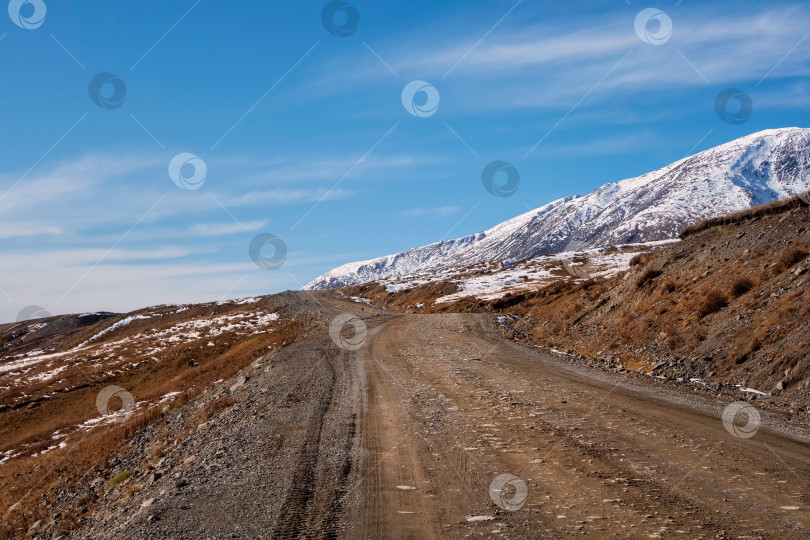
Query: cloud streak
<point x="437" y="212"/>
<point x="553" y="63"/>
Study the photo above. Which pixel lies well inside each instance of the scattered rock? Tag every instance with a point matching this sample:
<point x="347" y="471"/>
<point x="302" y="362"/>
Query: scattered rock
<point x="240" y="380"/>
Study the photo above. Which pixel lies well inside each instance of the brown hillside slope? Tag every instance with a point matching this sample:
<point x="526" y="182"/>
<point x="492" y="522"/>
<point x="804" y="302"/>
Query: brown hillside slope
<point x="728" y="305"/>
<point x="53" y="434"/>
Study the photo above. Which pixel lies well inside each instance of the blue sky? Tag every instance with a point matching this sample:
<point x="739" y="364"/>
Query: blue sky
<point x="304" y="135"/>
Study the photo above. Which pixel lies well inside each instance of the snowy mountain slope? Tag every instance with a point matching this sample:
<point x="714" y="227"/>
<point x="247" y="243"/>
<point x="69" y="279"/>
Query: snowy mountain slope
<point x="753" y="170"/>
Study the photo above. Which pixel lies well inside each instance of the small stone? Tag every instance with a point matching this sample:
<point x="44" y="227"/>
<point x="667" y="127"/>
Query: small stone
<point x="181" y="482"/>
<point x="240" y="380"/>
<point x="147" y="503"/>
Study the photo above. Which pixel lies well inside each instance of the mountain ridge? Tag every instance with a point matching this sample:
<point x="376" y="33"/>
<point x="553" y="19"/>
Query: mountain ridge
<point x="737" y="175"/>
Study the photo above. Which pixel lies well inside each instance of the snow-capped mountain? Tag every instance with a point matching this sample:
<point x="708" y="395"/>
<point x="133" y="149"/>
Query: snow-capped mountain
<point x="750" y="171"/>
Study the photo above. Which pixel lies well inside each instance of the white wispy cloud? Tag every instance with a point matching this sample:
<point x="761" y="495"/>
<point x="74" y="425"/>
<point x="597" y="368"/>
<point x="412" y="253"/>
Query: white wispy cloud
<point x="310" y="169"/>
<point x="285" y="196"/>
<point x="553" y="63"/>
<point x="221" y="229"/>
<point x="439" y="211"/>
<point x="22" y="230"/>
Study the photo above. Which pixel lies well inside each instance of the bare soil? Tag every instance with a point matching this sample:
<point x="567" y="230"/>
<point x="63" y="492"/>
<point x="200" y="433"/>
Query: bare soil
<point x="404" y="437"/>
<point x="725" y="311"/>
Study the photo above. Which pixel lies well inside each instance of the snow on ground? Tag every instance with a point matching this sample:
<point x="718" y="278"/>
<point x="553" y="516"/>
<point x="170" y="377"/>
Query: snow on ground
<point x="240" y="302"/>
<point x="751" y="390"/>
<point x="752" y="170"/>
<point x="48" y="375"/>
<point x="123" y="322"/>
<point x="116" y="356"/>
<point x="168" y="397"/>
<point x="493" y="283"/>
<point x="19" y="364"/>
<point x="47" y="365"/>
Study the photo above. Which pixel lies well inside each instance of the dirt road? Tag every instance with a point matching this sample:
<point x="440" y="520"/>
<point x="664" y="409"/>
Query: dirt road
<point x="409" y="435"/>
<point x="451" y="407"/>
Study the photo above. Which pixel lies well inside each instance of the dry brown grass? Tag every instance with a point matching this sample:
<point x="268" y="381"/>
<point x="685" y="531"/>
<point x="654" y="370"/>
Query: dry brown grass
<point x="668" y="287"/>
<point x="647" y="276"/>
<point x="713" y="301"/>
<point x="790" y="258"/>
<point x="640" y="260"/>
<point x="71" y="401"/>
<point x="774" y="208"/>
<point x="741" y="286"/>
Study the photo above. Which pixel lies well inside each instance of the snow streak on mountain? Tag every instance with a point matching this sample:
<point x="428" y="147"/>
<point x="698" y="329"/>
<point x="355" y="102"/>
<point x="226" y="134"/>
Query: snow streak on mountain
<point x="747" y="172"/>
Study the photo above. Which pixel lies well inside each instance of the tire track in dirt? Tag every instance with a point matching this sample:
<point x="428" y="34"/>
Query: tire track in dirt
<point x="298" y="514"/>
<point x="600" y="455"/>
<point x="403" y="438"/>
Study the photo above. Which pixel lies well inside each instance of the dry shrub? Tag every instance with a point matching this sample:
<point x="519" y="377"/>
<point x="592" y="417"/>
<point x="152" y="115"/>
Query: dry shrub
<point x="668" y="287"/>
<point x="741" y="286"/>
<point x="790" y="258"/>
<point x="119" y="478"/>
<point x="647" y="277"/>
<point x="674" y="342"/>
<point x="754" y="343"/>
<point x="640" y="260"/>
<point x="157" y="452"/>
<point x="713" y="301"/>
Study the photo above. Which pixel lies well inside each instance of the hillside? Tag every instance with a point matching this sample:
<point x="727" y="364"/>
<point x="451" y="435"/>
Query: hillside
<point x="741" y="174"/>
<point x="255" y="419"/>
<point x="75" y="388"/>
<point x="726" y="309"/>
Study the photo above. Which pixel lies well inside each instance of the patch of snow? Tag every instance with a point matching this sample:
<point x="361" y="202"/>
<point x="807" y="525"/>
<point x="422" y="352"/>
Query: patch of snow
<point x="41" y="377"/>
<point x="123" y="322"/>
<point x="752" y="391"/>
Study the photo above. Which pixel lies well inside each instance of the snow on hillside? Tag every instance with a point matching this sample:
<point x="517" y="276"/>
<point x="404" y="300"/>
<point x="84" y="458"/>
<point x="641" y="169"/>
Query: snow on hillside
<point x="490" y="281"/>
<point x="750" y="171"/>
